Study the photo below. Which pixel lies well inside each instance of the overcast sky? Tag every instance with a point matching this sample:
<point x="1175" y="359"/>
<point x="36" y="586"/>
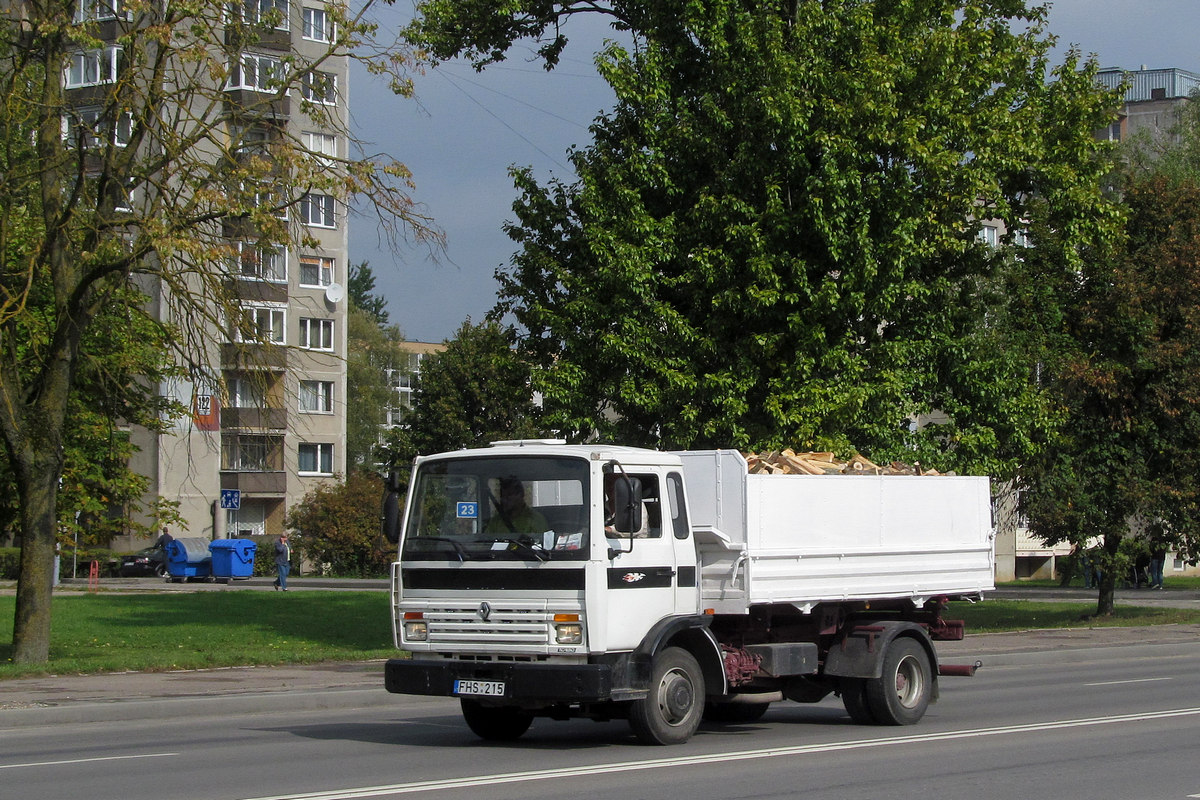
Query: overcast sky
<point x="464" y="130"/>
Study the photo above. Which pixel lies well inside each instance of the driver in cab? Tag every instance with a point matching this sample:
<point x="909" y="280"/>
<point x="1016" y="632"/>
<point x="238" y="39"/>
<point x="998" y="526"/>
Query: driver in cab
<point x="513" y="515"/>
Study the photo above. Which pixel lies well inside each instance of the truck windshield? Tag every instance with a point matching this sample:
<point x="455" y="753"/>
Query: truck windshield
<point x="504" y="508"/>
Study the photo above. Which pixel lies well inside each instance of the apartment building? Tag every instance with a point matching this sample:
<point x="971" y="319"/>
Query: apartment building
<point x="403" y="378"/>
<point x="1152" y="100"/>
<point x="268" y="422"/>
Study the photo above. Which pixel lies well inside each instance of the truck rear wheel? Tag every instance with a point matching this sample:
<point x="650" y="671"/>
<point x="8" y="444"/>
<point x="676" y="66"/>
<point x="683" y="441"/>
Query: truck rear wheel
<point x="902" y="693"/>
<point x="671" y="711"/>
<point x="495" y="723"/>
<point x="854" y="698"/>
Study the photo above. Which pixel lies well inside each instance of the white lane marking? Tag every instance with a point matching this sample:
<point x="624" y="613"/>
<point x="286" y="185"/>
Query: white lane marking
<point x="83" y="760"/>
<point x="710" y="758"/>
<point x="1131" y="680"/>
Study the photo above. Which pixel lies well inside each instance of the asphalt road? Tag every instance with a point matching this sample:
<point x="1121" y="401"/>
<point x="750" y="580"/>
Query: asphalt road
<point x="1065" y="722"/>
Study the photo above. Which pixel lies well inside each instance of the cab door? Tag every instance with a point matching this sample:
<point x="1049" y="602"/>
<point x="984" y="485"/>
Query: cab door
<point x="679" y="529"/>
<point x="641" y="577"/>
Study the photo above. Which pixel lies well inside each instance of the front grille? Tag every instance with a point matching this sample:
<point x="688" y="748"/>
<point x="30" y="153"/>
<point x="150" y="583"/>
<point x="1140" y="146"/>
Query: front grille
<point x="507" y="624"/>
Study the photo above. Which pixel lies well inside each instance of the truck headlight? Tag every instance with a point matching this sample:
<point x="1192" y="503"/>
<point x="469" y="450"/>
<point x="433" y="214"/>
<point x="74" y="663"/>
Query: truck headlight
<point x="568" y="633"/>
<point x="415" y="629"/>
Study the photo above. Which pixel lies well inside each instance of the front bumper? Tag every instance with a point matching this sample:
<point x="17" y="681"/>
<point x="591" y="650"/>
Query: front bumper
<point x="528" y="683"/>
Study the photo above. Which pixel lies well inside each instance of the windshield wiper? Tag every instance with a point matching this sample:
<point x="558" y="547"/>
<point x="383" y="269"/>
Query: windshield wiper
<point x="522" y="546"/>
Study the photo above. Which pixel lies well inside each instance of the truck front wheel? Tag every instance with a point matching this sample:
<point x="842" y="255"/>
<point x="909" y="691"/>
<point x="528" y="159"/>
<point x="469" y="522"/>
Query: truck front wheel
<point x="671" y="710"/>
<point x="495" y="723"/>
<point x="901" y="694"/>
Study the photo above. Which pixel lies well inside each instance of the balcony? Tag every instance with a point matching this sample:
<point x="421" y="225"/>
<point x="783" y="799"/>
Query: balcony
<point x="244" y="356"/>
<point x="248" y="103"/>
<point x="259" y="291"/>
<point x="257" y="483"/>
<point x="254" y="418"/>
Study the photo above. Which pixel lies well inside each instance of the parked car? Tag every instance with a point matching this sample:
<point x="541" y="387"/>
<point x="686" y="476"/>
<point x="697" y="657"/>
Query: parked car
<point x="151" y="561"/>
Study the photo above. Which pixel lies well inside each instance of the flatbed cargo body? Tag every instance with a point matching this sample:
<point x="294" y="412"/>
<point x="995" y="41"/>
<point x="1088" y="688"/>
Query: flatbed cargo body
<point x="806" y="539"/>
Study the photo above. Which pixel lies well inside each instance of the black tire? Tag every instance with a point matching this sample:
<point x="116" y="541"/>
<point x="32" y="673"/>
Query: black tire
<point x="495" y="723"/>
<point x="734" y="713"/>
<point x="671" y="711"/>
<point x="161" y="570"/>
<point x="902" y="693"/>
<point x="854" y="698"/>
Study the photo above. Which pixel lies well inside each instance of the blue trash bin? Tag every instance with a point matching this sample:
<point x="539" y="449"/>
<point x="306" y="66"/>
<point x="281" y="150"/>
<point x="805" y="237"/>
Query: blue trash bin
<point x="188" y="558"/>
<point x="232" y="558"/>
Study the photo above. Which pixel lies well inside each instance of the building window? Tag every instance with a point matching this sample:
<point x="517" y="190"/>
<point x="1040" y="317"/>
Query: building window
<point x="989" y="235"/>
<point x="317" y="210"/>
<point x="402" y="389"/>
<point x="316" y="459"/>
<point x="258" y="73"/>
<point x="323" y="146"/>
<point x="258" y="12"/>
<point x="262" y="323"/>
<point x="316" y="271"/>
<point x="100" y="10"/>
<point x="316" y="334"/>
<point x="245" y="393"/>
<point x="251" y="139"/>
<point x="250" y="453"/>
<point x="87" y="127"/>
<point x="318" y="27"/>
<point x="319" y="87"/>
<point x="94" y="67"/>
<point x="261" y="263"/>
<point x="316" y="397"/>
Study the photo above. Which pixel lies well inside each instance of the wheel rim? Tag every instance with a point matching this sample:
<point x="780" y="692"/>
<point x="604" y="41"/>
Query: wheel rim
<point x="676" y="697"/>
<point x="909" y="681"/>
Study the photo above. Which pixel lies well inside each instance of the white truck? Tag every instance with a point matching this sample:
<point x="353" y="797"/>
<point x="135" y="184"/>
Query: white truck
<point x="540" y="579"/>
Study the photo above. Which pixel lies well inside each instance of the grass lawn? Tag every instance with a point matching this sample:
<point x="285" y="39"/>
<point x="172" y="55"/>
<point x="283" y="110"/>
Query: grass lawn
<point x="114" y="632"/>
<point x="182" y="630"/>
<point x="996" y="616"/>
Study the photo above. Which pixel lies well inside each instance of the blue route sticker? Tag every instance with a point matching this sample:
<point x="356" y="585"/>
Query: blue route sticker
<point x="467" y="511"/>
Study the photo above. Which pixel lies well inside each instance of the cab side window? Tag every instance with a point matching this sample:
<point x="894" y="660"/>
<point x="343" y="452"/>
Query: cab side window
<point x="679" y="520"/>
<point x="651" y="505"/>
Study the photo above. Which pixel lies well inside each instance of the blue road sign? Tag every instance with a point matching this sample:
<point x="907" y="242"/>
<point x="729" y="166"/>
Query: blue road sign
<point x="231" y="498"/>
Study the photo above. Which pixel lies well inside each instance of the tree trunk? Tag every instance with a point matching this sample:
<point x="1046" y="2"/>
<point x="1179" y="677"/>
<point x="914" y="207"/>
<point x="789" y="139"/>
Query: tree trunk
<point x="31" y="626"/>
<point x="1111" y="567"/>
<point x="1108" y="590"/>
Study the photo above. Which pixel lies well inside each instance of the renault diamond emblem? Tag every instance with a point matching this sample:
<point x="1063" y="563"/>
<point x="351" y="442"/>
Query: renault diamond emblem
<point x="485" y="611"/>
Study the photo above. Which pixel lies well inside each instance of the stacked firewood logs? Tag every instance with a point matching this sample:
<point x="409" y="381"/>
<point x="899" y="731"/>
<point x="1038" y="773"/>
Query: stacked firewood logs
<point x="789" y="462"/>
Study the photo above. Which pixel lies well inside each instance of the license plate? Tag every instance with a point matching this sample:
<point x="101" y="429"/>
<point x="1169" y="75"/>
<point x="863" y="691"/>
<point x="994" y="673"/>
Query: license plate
<point x="485" y="688"/>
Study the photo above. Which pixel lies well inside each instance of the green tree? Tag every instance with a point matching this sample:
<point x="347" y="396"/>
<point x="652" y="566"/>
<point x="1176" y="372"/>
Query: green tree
<point x="475" y="391"/>
<point x="374" y="350"/>
<point x="122" y="356"/>
<point x="131" y="162"/>
<point x="361" y="288"/>
<point x="774" y="237"/>
<point x="1122" y="362"/>
<point x="337" y="524"/>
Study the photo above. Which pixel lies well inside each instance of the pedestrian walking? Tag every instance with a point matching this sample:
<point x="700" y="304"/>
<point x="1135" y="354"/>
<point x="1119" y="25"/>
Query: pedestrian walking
<point x="1158" y="559"/>
<point x="283" y="562"/>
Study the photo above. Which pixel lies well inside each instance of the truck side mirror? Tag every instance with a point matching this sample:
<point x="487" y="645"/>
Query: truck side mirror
<point x="627" y="504"/>
<point x="389" y="519"/>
